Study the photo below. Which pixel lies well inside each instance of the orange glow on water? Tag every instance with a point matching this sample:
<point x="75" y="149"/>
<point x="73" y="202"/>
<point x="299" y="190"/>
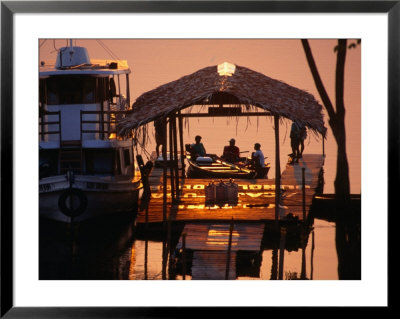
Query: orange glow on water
<point x="220" y="237"/>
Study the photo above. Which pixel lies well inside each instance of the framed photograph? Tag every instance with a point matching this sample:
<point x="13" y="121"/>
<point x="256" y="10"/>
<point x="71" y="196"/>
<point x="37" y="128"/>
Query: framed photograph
<point x="165" y="42"/>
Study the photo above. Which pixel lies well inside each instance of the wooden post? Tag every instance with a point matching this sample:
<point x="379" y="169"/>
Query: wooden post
<point x="228" y="257"/>
<point x="171" y="158"/>
<point x="169" y="249"/>
<point x="177" y="195"/>
<point x="180" y="120"/>
<point x="274" y="264"/>
<point x="164" y="259"/>
<point x="128" y="95"/>
<point x="164" y="154"/>
<point x="303" y="170"/>
<point x="184" y="256"/>
<point x="312" y="256"/>
<point x="146" y="252"/>
<point x="303" y="263"/>
<point x="282" y="252"/>
<point x="277" y="168"/>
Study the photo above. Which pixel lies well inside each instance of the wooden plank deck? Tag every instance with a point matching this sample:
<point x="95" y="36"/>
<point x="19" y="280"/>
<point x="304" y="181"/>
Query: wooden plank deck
<point x="215" y="237"/>
<point x="256" y="201"/>
<point x="209" y="243"/>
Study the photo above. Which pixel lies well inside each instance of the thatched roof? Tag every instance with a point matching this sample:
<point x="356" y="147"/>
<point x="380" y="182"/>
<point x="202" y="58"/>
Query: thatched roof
<point x="245" y="86"/>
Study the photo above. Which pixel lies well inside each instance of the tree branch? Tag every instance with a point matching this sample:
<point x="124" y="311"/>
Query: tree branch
<point x="340" y="62"/>
<point x="317" y="79"/>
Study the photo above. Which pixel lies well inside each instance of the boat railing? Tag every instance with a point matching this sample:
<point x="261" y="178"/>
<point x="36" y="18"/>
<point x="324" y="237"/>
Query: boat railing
<point x="49" y="124"/>
<point x="103" y="124"/>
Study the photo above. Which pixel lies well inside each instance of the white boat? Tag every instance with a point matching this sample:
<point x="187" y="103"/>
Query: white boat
<point x="85" y="170"/>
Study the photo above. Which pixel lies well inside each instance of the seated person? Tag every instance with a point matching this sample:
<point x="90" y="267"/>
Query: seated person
<point x="258" y="161"/>
<point x="198" y="148"/>
<point x="231" y="153"/>
<point x="257" y="157"/>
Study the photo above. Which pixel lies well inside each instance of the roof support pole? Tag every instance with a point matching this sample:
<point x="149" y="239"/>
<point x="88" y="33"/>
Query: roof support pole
<point x="181" y="144"/>
<point x="128" y="95"/>
<point x="171" y="158"/>
<point x="277" y="168"/>
<point x="177" y="195"/>
<point x="164" y="154"/>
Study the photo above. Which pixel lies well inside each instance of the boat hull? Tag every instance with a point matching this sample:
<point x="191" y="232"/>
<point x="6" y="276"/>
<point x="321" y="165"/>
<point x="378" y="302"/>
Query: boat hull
<point x="98" y="204"/>
<point x="198" y="171"/>
<point x="88" y="203"/>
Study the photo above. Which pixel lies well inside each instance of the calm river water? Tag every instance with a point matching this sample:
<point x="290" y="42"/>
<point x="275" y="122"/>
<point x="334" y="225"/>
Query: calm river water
<point x="114" y="250"/>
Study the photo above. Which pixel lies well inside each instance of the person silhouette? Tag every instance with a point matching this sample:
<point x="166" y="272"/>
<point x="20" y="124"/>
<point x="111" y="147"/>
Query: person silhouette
<point x="198" y="147"/>
<point x="258" y="161"/>
<point x="295" y="143"/>
<point x="231" y="152"/>
<point x="159" y="126"/>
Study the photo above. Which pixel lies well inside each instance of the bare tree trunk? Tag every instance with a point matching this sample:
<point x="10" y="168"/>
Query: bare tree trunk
<point x="336" y="118"/>
<point x="342" y="182"/>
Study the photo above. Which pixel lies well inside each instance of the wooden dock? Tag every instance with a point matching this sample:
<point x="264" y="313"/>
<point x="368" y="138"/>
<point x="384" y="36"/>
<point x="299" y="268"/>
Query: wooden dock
<point x="210" y="242"/>
<point x="256" y="200"/>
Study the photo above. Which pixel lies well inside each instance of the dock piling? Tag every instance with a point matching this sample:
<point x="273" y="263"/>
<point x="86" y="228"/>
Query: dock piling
<point x="180" y="122"/>
<point x="164" y="260"/>
<point x="274" y="264"/>
<point x="175" y="136"/>
<point x="171" y="158"/>
<point x="169" y="248"/>
<point x="277" y="168"/>
<point x="228" y="257"/>
<point x="282" y="252"/>
<point x="164" y="154"/>
<point x="184" y="256"/>
<point x="303" y="170"/>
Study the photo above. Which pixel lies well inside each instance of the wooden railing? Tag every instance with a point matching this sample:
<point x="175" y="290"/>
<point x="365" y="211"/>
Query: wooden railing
<point x="107" y="122"/>
<point x="42" y="123"/>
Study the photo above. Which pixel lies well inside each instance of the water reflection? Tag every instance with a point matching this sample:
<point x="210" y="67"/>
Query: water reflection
<point x="330" y="250"/>
<point x="348" y="246"/>
<point x="90" y="250"/>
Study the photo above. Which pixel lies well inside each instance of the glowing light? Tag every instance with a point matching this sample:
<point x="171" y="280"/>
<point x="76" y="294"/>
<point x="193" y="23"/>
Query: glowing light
<point x="112" y="136"/>
<point x="226" y="68"/>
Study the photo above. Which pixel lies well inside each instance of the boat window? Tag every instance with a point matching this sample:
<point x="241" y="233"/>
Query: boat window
<point x="99" y="161"/>
<point x="127" y="157"/>
<point x="102" y="92"/>
<point x="73" y="89"/>
<point x="42" y="91"/>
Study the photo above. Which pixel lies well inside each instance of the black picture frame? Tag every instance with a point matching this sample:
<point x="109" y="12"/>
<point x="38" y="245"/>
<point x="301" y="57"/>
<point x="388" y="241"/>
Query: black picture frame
<point x="9" y="8"/>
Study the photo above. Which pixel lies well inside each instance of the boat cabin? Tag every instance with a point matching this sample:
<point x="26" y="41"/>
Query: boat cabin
<point x="80" y="103"/>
